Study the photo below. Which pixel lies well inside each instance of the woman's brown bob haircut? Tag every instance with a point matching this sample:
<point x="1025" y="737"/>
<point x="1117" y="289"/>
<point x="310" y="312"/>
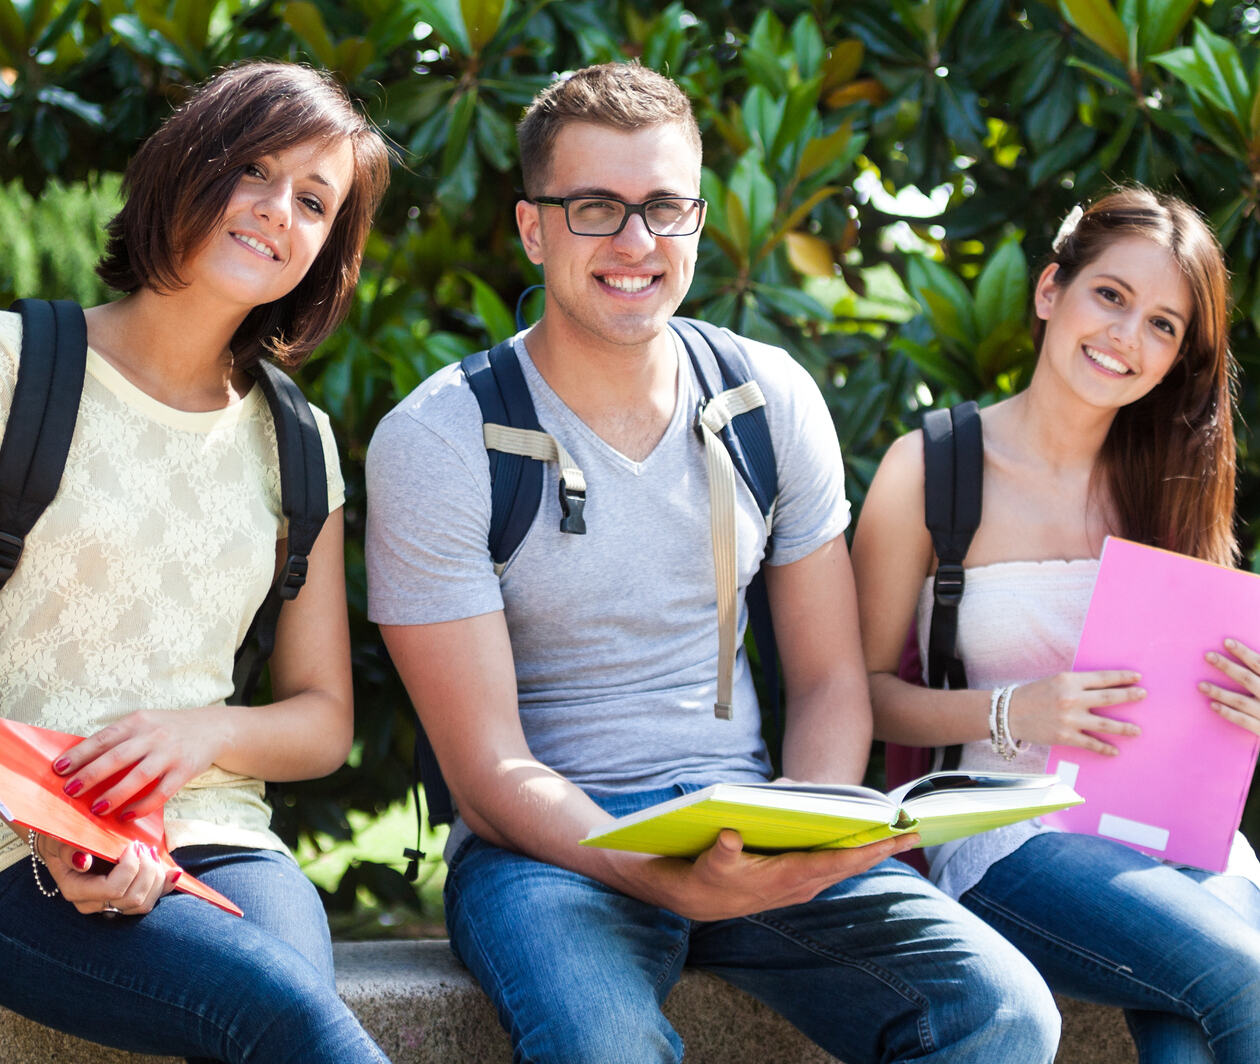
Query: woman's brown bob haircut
<point x="624" y="96"/>
<point x="178" y="185"/>
<point x="1168" y="459"/>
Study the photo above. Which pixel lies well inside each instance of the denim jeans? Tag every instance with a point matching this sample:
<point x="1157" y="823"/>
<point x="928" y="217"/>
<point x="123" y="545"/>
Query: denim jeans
<point x="1177" y="949"/>
<point x="881" y="967"/>
<point x="186" y="979"/>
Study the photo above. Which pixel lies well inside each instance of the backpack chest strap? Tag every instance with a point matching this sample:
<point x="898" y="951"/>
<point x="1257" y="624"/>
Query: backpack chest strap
<point x="713" y="416"/>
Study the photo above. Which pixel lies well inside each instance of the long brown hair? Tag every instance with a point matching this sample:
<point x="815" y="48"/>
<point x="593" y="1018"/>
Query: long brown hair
<point x="178" y="185"/>
<point x="1168" y="459"/>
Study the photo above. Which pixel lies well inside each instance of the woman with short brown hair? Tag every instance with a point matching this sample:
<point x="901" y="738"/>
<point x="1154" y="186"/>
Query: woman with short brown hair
<point x="241" y="238"/>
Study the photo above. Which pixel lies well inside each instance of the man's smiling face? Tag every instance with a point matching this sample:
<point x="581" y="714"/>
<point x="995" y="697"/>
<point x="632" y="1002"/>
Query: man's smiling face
<point x="622" y="289"/>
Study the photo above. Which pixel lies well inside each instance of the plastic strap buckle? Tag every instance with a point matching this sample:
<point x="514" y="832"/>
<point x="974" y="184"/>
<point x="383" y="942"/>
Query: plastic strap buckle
<point x="10" y="553"/>
<point x="947" y="588"/>
<point x="571" y="505"/>
<point x="293" y="577"/>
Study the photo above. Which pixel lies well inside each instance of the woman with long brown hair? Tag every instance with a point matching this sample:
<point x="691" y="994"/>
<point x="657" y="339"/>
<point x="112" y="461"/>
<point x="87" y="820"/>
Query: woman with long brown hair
<point x="240" y="239"/>
<point x="1124" y="429"/>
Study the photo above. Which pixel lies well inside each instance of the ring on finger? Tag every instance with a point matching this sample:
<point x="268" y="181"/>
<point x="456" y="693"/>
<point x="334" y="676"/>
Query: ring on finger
<point x="109" y="910"/>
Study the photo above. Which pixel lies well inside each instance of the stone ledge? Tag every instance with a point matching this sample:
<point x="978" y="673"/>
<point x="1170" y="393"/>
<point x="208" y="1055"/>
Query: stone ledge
<point x="424" y="1008"/>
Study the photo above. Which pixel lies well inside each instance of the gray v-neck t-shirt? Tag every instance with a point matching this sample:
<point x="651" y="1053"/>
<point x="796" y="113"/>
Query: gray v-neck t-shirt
<point x="614" y="633"/>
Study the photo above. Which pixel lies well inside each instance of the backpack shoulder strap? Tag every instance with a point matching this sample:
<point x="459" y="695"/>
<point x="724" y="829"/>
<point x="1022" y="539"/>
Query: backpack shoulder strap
<point x="517" y="448"/>
<point x="304" y="502"/>
<point x="41" y="418"/>
<point x="747" y="437"/>
<point x="722" y="366"/>
<point x="953" y="466"/>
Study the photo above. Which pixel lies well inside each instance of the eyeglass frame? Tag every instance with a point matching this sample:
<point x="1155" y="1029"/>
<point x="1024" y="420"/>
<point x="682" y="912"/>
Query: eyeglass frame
<point x="628" y="211"/>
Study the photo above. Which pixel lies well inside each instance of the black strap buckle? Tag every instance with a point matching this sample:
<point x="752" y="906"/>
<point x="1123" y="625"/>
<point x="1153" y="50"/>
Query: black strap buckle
<point x="293" y="576"/>
<point x="571" y="504"/>
<point x="10" y="554"/>
<point x="947" y="588"/>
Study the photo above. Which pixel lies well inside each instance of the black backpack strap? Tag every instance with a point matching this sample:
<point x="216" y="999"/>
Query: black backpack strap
<point x="953" y="481"/>
<point x="747" y="439"/>
<point x="304" y="502"/>
<point x="41" y="418"/>
<point x="496" y="380"/>
<point x="516" y="484"/>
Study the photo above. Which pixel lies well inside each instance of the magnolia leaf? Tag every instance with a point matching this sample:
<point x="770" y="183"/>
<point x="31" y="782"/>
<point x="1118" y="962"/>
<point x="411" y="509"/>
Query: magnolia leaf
<point x="842" y="63"/>
<point x="492" y="311"/>
<point x="1098" y="20"/>
<point x="1002" y="289"/>
<point x="822" y="151"/>
<point x="305" y="20"/>
<point x="809" y="254"/>
<point x="866" y="90"/>
<point x="482" y="19"/>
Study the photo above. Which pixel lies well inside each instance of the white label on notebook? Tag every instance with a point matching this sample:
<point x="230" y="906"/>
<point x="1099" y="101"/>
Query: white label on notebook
<point x="1066" y="771"/>
<point x="1134" y="831"/>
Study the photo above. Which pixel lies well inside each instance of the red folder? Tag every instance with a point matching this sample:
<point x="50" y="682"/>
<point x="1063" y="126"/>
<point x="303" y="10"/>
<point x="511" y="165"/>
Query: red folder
<point x="31" y="796"/>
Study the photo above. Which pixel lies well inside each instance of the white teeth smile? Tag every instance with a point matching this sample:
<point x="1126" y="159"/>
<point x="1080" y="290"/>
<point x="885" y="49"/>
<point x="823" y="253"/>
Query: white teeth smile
<point x="257" y="245"/>
<point x="1106" y="361"/>
<point x="627" y="284"/>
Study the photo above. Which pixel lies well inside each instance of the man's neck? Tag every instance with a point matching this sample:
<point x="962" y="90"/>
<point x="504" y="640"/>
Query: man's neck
<point x="625" y="394"/>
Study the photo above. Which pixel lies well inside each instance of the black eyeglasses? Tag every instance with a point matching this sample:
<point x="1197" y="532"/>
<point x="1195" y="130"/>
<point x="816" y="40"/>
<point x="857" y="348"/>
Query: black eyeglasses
<point x="602" y="216"/>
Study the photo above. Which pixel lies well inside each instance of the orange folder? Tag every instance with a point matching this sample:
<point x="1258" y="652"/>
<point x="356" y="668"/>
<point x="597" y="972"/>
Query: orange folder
<point x="31" y="796"/>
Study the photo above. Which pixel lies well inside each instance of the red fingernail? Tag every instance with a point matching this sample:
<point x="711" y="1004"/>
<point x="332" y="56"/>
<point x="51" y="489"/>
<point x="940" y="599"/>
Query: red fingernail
<point x="127" y="816"/>
<point x="100" y="807"/>
<point x="73" y="787"/>
<point x="172" y="877"/>
<point x="153" y="852"/>
<point x="82" y="861"/>
<point x="61" y="764"/>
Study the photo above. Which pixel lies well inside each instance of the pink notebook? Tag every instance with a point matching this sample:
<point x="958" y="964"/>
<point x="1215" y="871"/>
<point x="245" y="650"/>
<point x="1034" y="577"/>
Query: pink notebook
<point x="1177" y="790"/>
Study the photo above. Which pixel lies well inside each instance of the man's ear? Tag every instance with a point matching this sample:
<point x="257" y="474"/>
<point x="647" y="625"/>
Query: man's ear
<point x="528" y="224"/>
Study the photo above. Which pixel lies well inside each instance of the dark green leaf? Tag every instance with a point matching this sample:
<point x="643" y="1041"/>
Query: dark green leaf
<point x="1062" y="156"/>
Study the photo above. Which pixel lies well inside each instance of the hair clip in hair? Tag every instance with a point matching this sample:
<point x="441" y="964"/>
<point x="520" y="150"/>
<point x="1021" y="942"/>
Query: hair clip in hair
<point x="1067" y="228"/>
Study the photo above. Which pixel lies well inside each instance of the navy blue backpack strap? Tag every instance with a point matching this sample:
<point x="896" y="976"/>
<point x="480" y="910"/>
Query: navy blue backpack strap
<point x="516" y="485"/>
<point x="953" y="482"/>
<point x="303" y="501"/>
<point x="747" y="439"/>
<point x="496" y="380"/>
<point x="41" y="418"/>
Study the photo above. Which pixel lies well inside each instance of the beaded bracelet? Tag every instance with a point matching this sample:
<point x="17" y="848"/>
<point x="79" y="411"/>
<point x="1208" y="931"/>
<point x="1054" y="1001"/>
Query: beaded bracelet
<point x="36" y="861"/>
<point x="1005" y="743"/>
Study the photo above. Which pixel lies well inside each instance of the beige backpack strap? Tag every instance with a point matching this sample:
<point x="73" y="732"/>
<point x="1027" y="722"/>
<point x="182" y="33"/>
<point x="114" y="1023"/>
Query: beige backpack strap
<point x="545" y="448"/>
<point x="715" y="415"/>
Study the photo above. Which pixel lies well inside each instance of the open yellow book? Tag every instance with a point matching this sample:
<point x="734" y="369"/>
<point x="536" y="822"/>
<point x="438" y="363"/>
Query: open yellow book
<point x="777" y="817"/>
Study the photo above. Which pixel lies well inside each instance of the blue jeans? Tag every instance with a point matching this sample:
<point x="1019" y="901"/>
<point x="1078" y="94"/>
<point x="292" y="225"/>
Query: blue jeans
<point x="882" y="967"/>
<point x="1178" y="949"/>
<point x="186" y="979"/>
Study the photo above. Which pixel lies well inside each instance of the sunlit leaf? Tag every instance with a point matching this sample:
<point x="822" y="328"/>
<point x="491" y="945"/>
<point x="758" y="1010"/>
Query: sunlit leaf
<point x="810" y="255"/>
<point x="1098" y="20"/>
<point x="842" y="63"/>
<point x="1002" y="288"/>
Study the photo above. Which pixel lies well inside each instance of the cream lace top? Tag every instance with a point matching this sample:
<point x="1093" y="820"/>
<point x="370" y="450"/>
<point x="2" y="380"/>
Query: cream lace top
<point x="140" y="579"/>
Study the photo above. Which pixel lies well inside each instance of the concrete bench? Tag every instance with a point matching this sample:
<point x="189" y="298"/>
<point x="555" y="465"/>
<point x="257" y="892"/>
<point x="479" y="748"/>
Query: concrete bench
<point x="424" y="1008"/>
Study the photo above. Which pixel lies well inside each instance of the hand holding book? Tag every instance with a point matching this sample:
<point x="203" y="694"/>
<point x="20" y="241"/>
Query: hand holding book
<point x="32" y="797"/>
<point x="781" y="817"/>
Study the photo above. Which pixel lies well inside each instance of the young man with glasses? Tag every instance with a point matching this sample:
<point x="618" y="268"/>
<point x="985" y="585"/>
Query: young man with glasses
<point x="579" y="683"/>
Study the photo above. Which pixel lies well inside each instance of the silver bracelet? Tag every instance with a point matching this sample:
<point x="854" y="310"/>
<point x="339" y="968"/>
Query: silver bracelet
<point x="1008" y="747"/>
<point x="36" y="861"/>
<point x="994" y="698"/>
